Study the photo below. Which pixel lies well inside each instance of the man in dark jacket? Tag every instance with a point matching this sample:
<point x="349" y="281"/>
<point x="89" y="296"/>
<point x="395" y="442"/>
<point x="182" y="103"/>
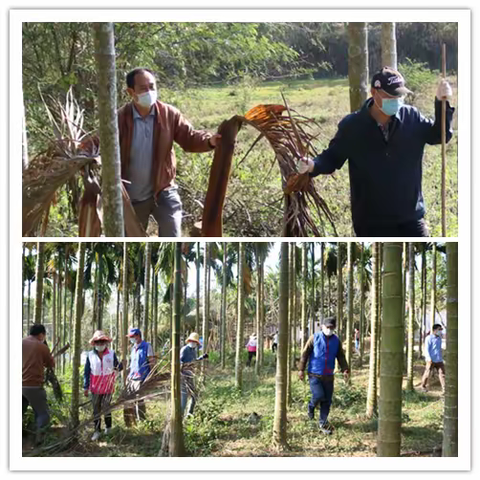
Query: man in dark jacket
<point x="384" y="143"/>
<point x="320" y="352"/>
<point x="147" y="130"/>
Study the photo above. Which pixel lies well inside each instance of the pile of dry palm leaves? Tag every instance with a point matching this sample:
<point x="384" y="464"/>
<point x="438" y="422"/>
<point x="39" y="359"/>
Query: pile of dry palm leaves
<point x="71" y="152"/>
<point x="290" y="137"/>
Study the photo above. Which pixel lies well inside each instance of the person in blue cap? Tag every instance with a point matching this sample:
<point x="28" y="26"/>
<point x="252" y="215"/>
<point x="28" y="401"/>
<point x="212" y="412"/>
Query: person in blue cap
<point x="142" y="360"/>
<point x="321" y="351"/>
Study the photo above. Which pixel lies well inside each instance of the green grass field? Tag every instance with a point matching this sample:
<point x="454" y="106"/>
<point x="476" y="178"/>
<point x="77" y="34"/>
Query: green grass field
<point x="228" y="422"/>
<point x="253" y="204"/>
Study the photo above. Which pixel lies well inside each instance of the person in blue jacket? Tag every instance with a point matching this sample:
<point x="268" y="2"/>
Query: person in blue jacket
<point x="320" y="352"/>
<point x="384" y="143"/>
<point x="188" y="355"/>
<point x="433" y="357"/>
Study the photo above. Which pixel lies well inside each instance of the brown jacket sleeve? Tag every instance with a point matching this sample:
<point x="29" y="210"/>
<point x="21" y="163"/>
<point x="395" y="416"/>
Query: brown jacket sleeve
<point x="188" y="138"/>
<point x="47" y="357"/>
<point x="307" y="350"/>
<point x="341" y="358"/>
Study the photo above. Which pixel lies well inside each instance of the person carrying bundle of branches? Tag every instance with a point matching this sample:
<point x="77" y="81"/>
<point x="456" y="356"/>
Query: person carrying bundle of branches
<point x="384" y="143"/>
<point x="99" y="378"/>
<point x="188" y="355"/>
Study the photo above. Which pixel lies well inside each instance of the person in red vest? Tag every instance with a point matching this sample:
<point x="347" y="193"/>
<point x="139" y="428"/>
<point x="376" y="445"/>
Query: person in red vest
<point x="99" y="378"/>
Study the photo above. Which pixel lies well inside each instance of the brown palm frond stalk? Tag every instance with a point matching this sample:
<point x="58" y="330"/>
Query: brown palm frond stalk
<point x="290" y="138"/>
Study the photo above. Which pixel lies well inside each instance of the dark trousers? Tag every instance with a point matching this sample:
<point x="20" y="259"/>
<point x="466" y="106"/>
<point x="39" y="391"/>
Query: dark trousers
<point x="250" y="356"/>
<point x="100" y="403"/>
<point x="137" y="411"/>
<point x="274" y="347"/>
<point x="36" y="397"/>
<point x="322" y="393"/>
<point x="188" y="391"/>
<point x="415" y="228"/>
<point x="440" y="366"/>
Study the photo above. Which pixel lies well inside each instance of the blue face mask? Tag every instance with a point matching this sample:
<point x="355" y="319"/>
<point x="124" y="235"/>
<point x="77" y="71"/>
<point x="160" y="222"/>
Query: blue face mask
<point x="390" y="106"/>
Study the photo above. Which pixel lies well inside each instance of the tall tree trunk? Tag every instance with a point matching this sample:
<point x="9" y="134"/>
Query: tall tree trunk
<point x="176" y="446"/>
<point x="37" y="316"/>
<point x="350" y="253"/>
<point x="117" y="320"/>
<point x="206" y="303"/>
<point x="379" y="305"/>
<point x="280" y="413"/>
<point x="23" y="288"/>
<point x="54" y="307"/>
<point x="404" y="270"/>
<point x="424" y="300"/>
<point x="70" y="326"/>
<point x="358" y="64"/>
<point x="28" y="305"/>
<point x="361" y="327"/>
<point x="259" y="330"/>
<point x="340" y="293"/>
<point x="108" y="129"/>
<point x="372" y="376"/>
<point x="329" y="295"/>
<point x="197" y="306"/>
<point x="155" y="312"/>
<point x="312" y="301"/>
<point x="450" y="415"/>
<point x="148" y="263"/>
<point x="304" y="294"/>
<point x="389" y="45"/>
<point x="291" y="319"/>
<point x="260" y="349"/>
<point x="125" y="310"/>
<point x="64" y="335"/>
<point x="411" y="313"/>
<point x="433" y="301"/>
<point x="241" y="314"/>
<point x="224" y="306"/>
<point x="390" y="405"/>
<point x="322" y="282"/>
<point x="77" y="336"/>
<point x="95" y="293"/>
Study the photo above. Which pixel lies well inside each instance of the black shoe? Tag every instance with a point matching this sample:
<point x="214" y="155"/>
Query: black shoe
<point x="311" y="414"/>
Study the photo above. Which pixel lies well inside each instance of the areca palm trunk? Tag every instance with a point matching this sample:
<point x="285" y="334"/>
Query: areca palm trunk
<point x="379" y="305"/>
<point x="37" y="316"/>
<point x="339" y="292"/>
<point x="54" y="307"/>
<point x="224" y="307"/>
<point x="404" y="270"/>
<point x="450" y="415"/>
<point x="291" y="313"/>
<point x="206" y="305"/>
<point x="77" y="336"/>
<point x="280" y="413"/>
<point x="155" y="311"/>
<point x="148" y="257"/>
<point x="351" y="245"/>
<point x="390" y="404"/>
<point x="262" y="314"/>
<point x="259" y="330"/>
<point x="433" y="302"/>
<point x="312" y="298"/>
<point x="389" y="45"/>
<point x="411" y="313"/>
<point x="424" y="300"/>
<point x="304" y="294"/>
<point x="125" y="309"/>
<point x="361" y="326"/>
<point x="197" y="306"/>
<point x="358" y="64"/>
<point x="240" y="317"/>
<point x="372" y="376"/>
<point x="64" y="335"/>
<point x="322" y="282"/>
<point x="176" y="445"/>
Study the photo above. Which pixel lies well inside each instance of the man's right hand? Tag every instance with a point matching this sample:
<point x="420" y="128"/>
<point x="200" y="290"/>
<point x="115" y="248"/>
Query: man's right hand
<point x="305" y="165"/>
<point x="301" y="375"/>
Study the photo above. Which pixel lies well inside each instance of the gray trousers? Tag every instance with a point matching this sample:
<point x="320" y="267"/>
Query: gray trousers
<point x="36" y="397"/>
<point x="167" y="211"/>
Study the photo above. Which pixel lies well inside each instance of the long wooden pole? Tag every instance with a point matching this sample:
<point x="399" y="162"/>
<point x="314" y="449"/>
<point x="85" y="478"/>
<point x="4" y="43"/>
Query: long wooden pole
<point x="444" y="145"/>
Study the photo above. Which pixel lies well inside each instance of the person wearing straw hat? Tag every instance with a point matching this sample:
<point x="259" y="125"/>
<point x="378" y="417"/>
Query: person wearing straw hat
<point x="188" y="355"/>
<point x="384" y="142"/>
<point x="251" y="348"/>
<point x="99" y="378"/>
<point x="141" y="363"/>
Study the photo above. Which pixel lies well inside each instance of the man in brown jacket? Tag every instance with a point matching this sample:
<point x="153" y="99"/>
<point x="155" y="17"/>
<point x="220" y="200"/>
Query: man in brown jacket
<point x="35" y="357"/>
<point x="147" y="130"/>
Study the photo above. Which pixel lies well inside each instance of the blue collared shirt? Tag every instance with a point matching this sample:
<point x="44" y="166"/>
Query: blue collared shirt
<point x="385" y="175"/>
<point x="433" y="348"/>
<point x="141" y="154"/>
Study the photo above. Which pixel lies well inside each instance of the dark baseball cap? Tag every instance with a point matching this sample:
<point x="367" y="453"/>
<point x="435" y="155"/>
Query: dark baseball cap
<point x="390" y="81"/>
<point x="330" y="322"/>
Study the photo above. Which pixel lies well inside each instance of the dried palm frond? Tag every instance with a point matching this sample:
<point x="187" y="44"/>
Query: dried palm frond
<point x="289" y="136"/>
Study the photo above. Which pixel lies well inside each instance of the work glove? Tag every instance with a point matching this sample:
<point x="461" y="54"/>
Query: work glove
<point x="305" y="165"/>
<point x="444" y="90"/>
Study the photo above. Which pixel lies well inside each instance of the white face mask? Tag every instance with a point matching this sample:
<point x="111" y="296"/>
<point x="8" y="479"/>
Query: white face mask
<point x="100" y="348"/>
<point x="327" y="331"/>
<point x="192" y="344"/>
<point x="438" y="334"/>
<point x="133" y="341"/>
<point x="147" y="99"/>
